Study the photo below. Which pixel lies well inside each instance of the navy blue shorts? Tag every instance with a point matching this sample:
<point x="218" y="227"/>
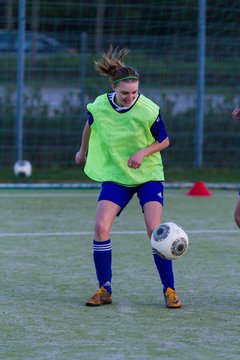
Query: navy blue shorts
<point x="121" y="195"/>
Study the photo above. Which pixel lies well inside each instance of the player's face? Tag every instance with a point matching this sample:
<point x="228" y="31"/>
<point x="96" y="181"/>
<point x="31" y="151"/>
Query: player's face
<point x="126" y="92"/>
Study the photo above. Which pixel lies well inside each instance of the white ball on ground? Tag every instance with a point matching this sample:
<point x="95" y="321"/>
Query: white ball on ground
<point x="22" y="168"/>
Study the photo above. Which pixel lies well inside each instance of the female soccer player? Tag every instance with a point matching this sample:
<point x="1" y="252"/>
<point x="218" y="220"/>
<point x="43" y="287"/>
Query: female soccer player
<point x="236" y="116"/>
<point x="124" y="136"/>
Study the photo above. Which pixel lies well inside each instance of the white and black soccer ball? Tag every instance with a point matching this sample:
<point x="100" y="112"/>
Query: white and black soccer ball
<point x="22" y="168"/>
<point x="169" y="241"/>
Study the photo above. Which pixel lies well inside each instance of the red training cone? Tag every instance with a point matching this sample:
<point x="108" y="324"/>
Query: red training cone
<point x="199" y="189"/>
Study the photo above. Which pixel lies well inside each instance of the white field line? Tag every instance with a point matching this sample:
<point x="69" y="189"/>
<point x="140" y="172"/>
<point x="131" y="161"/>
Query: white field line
<point x="79" y="194"/>
<point x="93" y="185"/>
<point x="124" y="232"/>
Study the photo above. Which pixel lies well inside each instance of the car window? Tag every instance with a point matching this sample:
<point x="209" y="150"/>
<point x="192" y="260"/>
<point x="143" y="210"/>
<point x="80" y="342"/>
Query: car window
<point x="9" y="42"/>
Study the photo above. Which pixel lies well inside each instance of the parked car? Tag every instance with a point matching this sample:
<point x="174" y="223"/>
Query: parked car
<point x="39" y="42"/>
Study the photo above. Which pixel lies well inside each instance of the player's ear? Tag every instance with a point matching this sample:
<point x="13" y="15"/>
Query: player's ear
<point x="113" y="87"/>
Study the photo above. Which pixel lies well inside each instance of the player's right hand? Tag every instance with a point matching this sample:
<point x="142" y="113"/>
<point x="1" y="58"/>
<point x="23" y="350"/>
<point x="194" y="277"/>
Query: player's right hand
<point x="80" y="158"/>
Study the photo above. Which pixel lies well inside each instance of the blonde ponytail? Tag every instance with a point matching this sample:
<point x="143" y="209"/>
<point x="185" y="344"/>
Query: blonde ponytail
<point x="110" y="64"/>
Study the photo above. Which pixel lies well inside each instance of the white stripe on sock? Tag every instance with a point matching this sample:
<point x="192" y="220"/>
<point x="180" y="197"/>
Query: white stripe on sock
<point x="104" y="247"/>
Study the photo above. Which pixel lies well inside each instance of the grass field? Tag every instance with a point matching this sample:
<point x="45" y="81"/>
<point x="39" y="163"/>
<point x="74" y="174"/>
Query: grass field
<point x="47" y="274"/>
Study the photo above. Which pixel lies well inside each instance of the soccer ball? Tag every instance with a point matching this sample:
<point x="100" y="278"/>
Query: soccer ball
<point x="169" y="241"/>
<point x="22" y="168"/>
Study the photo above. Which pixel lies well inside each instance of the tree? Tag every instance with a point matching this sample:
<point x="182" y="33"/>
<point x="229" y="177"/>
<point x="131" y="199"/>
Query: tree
<point x="9" y="15"/>
<point x="99" y="25"/>
<point x="35" y="28"/>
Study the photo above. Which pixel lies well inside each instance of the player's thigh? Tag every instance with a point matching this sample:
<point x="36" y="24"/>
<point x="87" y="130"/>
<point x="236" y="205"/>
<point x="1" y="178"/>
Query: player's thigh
<point x="152" y="215"/>
<point x="106" y="213"/>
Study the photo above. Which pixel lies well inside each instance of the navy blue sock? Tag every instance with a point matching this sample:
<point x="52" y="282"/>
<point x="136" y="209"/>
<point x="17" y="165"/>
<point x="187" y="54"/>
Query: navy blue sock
<point x="102" y="256"/>
<point x="165" y="271"/>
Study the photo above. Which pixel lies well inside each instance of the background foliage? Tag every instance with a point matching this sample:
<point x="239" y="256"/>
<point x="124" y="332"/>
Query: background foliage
<point x="162" y="37"/>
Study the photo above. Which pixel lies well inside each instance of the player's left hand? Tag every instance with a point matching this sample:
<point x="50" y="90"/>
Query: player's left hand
<point x="135" y="161"/>
<point x="236" y="114"/>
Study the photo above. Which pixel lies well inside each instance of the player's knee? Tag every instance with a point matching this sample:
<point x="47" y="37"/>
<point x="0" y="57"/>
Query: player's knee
<point x="101" y="230"/>
<point x="150" y="230"/>
<point x="237" y="218"/>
